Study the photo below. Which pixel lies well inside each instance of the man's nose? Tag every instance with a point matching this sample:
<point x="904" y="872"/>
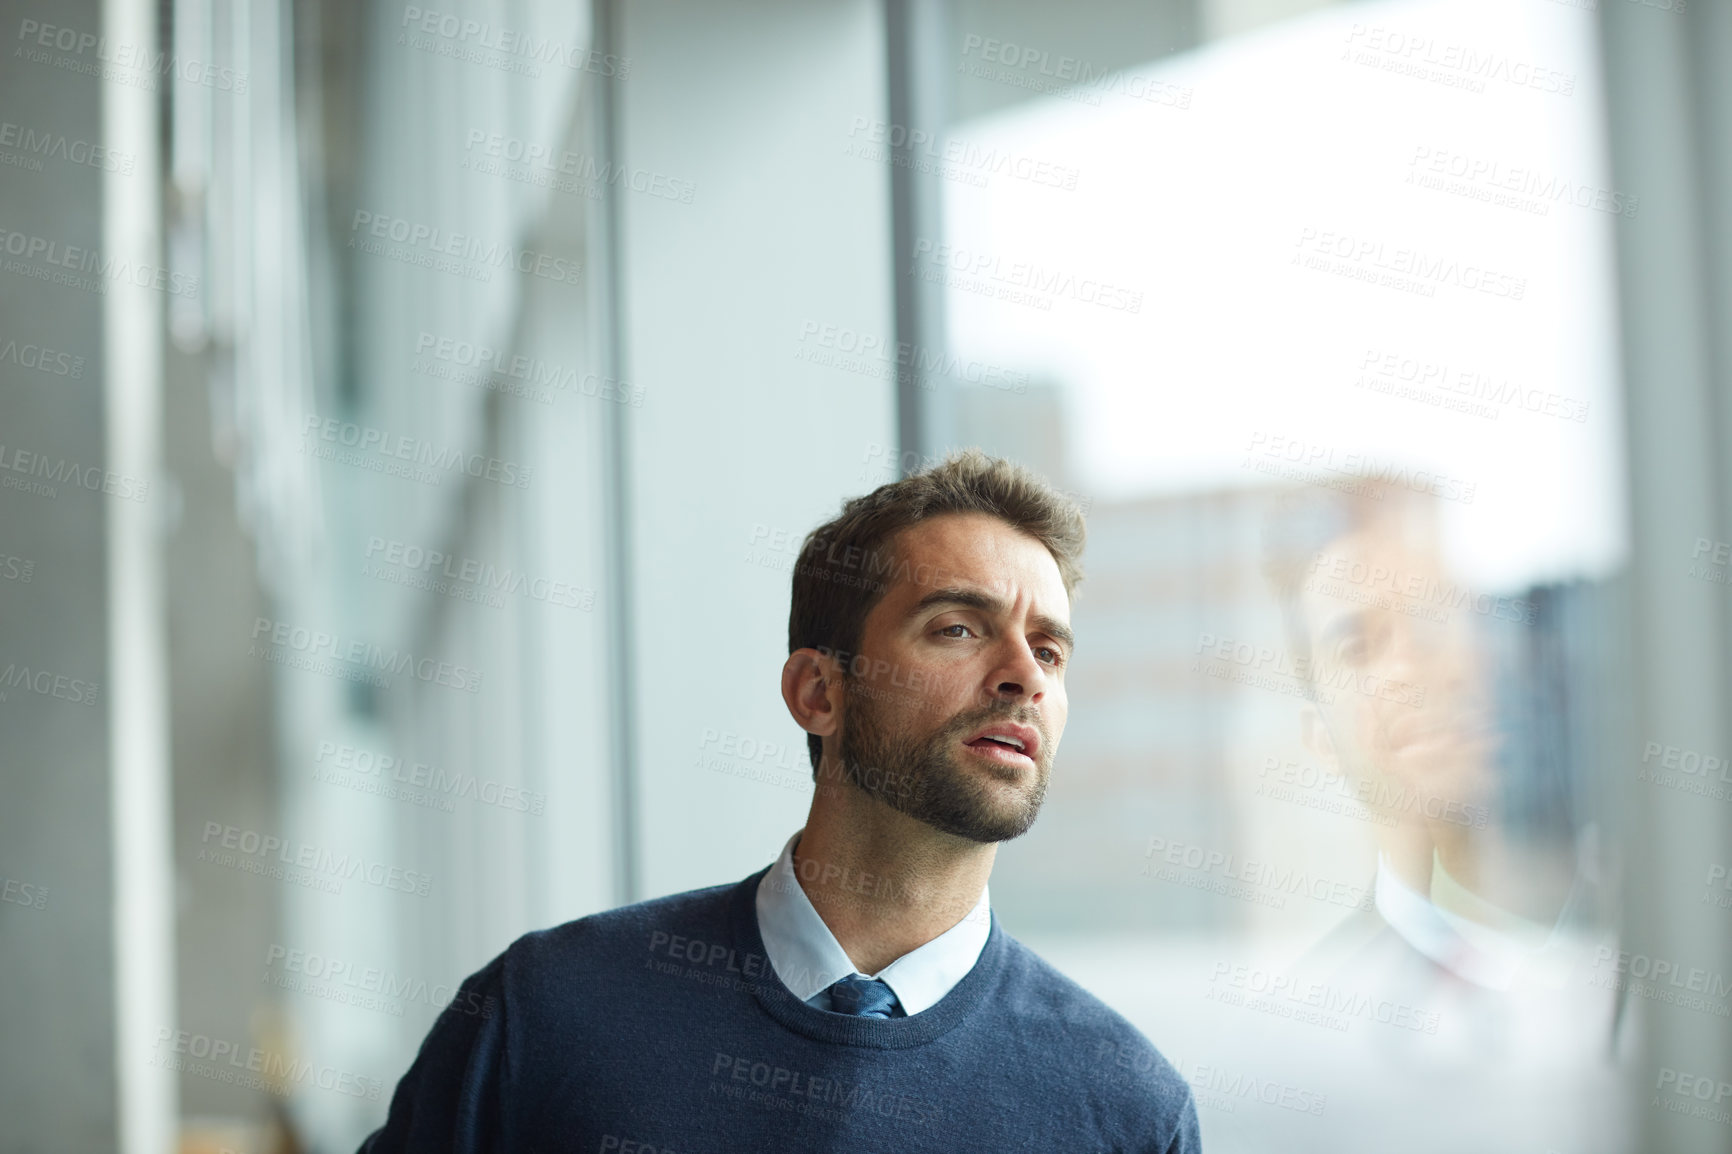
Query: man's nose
<point x="1019" y="678"/>
<point x="1442" y="657"/>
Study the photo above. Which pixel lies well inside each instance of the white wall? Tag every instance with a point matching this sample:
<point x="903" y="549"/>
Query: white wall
<point x="754" y="104"/>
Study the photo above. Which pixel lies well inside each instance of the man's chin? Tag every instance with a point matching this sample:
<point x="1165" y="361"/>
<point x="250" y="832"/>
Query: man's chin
<point x="978" y="828"/>
<point x="939" y="785"/>
<point x="996" y="808"/>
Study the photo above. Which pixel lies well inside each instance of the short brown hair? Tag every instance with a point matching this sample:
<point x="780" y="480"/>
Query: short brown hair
<point x="837" y="576"/>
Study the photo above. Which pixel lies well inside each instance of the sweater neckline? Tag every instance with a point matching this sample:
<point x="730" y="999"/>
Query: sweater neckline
<point x="842" y="1029"/>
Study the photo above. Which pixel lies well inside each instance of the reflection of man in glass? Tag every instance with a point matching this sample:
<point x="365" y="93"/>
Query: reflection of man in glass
<point x="1403" y="718"/>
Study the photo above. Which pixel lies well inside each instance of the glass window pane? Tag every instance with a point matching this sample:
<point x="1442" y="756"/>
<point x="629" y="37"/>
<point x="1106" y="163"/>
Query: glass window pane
<point x="1315" y="317"/>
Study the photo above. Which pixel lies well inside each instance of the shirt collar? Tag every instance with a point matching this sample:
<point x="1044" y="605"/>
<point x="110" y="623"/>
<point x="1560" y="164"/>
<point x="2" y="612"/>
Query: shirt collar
<point x="1485" y="955"/>
<point x="808" y="958"/>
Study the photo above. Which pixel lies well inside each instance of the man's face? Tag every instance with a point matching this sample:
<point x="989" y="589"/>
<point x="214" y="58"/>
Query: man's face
<point x="1410" y="707"/>
<point x="964" y="659"/>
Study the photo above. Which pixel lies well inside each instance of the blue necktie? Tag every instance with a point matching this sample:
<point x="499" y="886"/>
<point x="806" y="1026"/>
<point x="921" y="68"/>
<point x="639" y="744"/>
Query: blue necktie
<point x="862" y="997"/>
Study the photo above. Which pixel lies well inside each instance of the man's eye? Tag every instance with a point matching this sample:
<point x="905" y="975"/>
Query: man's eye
<point x="965" y="629"/>
<point x="1055" y="657"/>
<point x="1362" y="646"/>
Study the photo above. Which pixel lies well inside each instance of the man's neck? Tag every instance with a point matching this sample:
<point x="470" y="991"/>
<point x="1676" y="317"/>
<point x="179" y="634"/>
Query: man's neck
<point x="884" y="883"/>
<point x="1408" y="848"/>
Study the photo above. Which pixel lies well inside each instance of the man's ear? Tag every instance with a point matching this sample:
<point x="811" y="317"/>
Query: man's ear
<point x="1314" y="732"/>
<point x="812" y="689"/>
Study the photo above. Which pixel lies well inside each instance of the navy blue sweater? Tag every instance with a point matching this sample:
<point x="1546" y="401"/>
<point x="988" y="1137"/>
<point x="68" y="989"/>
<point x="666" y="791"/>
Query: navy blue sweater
<point x="661" y="1028"/>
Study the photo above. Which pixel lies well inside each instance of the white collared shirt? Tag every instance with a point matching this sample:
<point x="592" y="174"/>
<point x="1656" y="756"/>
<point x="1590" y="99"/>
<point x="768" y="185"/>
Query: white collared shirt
<point x="809" y="959"/>
<point x="1490" y="950"/>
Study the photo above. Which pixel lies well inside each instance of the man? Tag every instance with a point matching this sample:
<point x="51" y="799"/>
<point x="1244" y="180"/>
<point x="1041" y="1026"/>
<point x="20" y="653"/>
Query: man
<point x="857" y="994"/>
<point x="1474" y="898"/>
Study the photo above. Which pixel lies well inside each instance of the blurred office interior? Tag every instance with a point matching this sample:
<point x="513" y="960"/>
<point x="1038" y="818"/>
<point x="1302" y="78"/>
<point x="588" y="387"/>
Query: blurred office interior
<point x="409" y="417"/>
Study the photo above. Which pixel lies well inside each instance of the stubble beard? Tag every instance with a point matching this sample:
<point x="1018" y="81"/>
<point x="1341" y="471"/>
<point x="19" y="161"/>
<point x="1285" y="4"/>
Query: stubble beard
<point x="920" y="777"/>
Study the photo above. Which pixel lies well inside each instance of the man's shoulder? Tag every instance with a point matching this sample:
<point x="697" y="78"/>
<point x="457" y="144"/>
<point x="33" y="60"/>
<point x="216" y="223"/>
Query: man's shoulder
<point x="625" y="936"/>
<point x="1101" y="1040"/>
<point x="1046" y="993"/>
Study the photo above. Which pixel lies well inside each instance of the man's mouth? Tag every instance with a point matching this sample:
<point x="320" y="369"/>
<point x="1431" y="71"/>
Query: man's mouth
<point x="1420" y="735"/>
<point x="1006" y="743"/>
